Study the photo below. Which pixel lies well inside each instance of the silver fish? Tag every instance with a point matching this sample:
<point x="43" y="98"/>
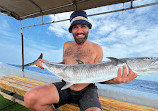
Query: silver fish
<point x="99" y="72"/>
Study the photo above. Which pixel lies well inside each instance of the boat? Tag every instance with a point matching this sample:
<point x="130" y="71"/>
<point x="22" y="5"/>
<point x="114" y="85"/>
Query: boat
<point x="12" y="86"/>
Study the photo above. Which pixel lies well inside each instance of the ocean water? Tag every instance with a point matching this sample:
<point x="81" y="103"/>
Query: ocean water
<point x="136" y="84"/>
<point x="140" y="85"/>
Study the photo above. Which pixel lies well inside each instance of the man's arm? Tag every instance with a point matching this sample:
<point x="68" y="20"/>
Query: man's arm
<point x="99" y="52"/>
<point x="121" y="78"/>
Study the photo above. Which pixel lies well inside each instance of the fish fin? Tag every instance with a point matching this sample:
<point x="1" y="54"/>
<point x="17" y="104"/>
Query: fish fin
<point x="67" y="85"/>
<point x="34" y="62"/>
<point x="117" y="61"/>
<point x="113" y="58"/>
<point x="79" y="62"/>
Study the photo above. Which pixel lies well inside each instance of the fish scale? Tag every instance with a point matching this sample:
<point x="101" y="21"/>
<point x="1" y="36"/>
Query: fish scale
<point x="99" y="72"/>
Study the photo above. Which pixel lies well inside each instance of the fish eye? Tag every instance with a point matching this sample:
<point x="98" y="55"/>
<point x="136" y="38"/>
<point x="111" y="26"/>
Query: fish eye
<point x="148" y="58"/>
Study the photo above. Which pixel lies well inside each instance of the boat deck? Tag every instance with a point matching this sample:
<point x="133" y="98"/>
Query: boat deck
<point x="14" y="88"/>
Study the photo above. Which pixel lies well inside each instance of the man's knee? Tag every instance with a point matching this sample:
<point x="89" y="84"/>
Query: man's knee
<point x="93" y="109"/>
<point x="30" y="99"/>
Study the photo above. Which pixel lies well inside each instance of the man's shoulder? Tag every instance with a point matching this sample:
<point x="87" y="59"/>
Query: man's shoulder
<point x="68" y="43"/>
<point x="95" y="44"/>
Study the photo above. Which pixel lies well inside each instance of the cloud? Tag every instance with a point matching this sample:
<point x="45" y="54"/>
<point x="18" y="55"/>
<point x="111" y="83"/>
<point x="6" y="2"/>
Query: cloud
<point x="133" y="33"/>
<point x="5" y="28"/>
<point x="121" y="34"/>
<point x="11" y="53"/>
<point x="102" y="23"/>
<point x="33" y="49"/>
<point x="61" y="28"/>
<point x="50" y="54"/>
<point x="144" y="43"/>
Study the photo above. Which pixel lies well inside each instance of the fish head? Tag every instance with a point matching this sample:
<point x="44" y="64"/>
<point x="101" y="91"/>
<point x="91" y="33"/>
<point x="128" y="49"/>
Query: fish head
<point x="144" y="65"/>
<point x="152" y="63"/>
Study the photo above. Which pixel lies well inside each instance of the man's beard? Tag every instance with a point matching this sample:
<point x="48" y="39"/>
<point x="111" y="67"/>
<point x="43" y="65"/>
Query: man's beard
<point x="80" y="40"/>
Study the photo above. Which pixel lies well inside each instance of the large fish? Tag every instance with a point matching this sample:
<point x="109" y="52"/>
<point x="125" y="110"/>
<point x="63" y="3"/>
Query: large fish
<point x="99" y="72"/>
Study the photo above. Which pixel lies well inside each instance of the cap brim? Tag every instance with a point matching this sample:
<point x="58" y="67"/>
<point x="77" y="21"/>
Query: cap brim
<point x="80" y="22"/>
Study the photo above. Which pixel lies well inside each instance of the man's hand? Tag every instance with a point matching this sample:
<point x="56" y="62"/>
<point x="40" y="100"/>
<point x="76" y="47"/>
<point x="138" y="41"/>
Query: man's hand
<point x="39" y="63"/>
<point x="125" y="77"/>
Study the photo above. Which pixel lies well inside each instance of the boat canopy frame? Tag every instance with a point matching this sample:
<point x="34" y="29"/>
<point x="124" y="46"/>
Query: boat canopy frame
<point x="72" y="5"/>
<point x="23" y="9"/>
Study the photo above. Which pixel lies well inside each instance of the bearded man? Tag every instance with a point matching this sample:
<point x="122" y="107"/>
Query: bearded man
<point x="85" y="95"/>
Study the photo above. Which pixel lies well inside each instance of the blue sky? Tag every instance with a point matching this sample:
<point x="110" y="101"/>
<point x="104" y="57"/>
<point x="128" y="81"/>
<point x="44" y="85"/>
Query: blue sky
<point x="132" y="33"/>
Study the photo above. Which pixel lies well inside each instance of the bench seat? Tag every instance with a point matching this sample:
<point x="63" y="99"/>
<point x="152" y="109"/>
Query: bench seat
<point x="14" y="88"/>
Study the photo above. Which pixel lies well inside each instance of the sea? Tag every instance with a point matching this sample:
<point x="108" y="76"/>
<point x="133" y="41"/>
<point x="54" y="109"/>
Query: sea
<point x="148" y="84"/>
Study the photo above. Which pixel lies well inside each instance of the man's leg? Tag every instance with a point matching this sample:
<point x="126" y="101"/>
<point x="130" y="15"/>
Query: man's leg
<point x="41" y="98"/>
<point x="89" y="100"/>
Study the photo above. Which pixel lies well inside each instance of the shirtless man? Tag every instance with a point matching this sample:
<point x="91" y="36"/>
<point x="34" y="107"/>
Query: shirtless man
<point x="85" y="95"/>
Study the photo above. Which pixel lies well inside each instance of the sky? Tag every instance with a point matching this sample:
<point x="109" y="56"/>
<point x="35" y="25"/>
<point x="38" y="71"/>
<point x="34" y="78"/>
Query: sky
<point x="132" y="33"/>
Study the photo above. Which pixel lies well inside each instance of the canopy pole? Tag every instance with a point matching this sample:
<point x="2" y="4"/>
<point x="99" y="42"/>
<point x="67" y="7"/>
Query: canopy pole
<point x="22" y="41"/>
<point x="75" y="6"/>
<point x="131" y="3"/>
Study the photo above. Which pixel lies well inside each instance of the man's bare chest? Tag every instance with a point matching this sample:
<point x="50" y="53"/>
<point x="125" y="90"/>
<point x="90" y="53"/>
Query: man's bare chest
<point x="86" y="54"/>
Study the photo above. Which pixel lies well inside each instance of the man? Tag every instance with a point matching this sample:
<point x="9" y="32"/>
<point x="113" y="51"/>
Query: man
<point x="85" y="95"/>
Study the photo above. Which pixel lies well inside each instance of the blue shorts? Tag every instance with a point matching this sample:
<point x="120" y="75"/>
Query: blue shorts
<point x="85" y="98"/>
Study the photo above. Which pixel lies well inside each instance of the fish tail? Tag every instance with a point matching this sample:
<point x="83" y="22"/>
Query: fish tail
<point x="34" y="62"/>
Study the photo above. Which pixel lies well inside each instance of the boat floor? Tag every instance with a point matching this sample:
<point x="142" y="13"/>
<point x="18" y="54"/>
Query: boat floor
<point x="12" y="85"/>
